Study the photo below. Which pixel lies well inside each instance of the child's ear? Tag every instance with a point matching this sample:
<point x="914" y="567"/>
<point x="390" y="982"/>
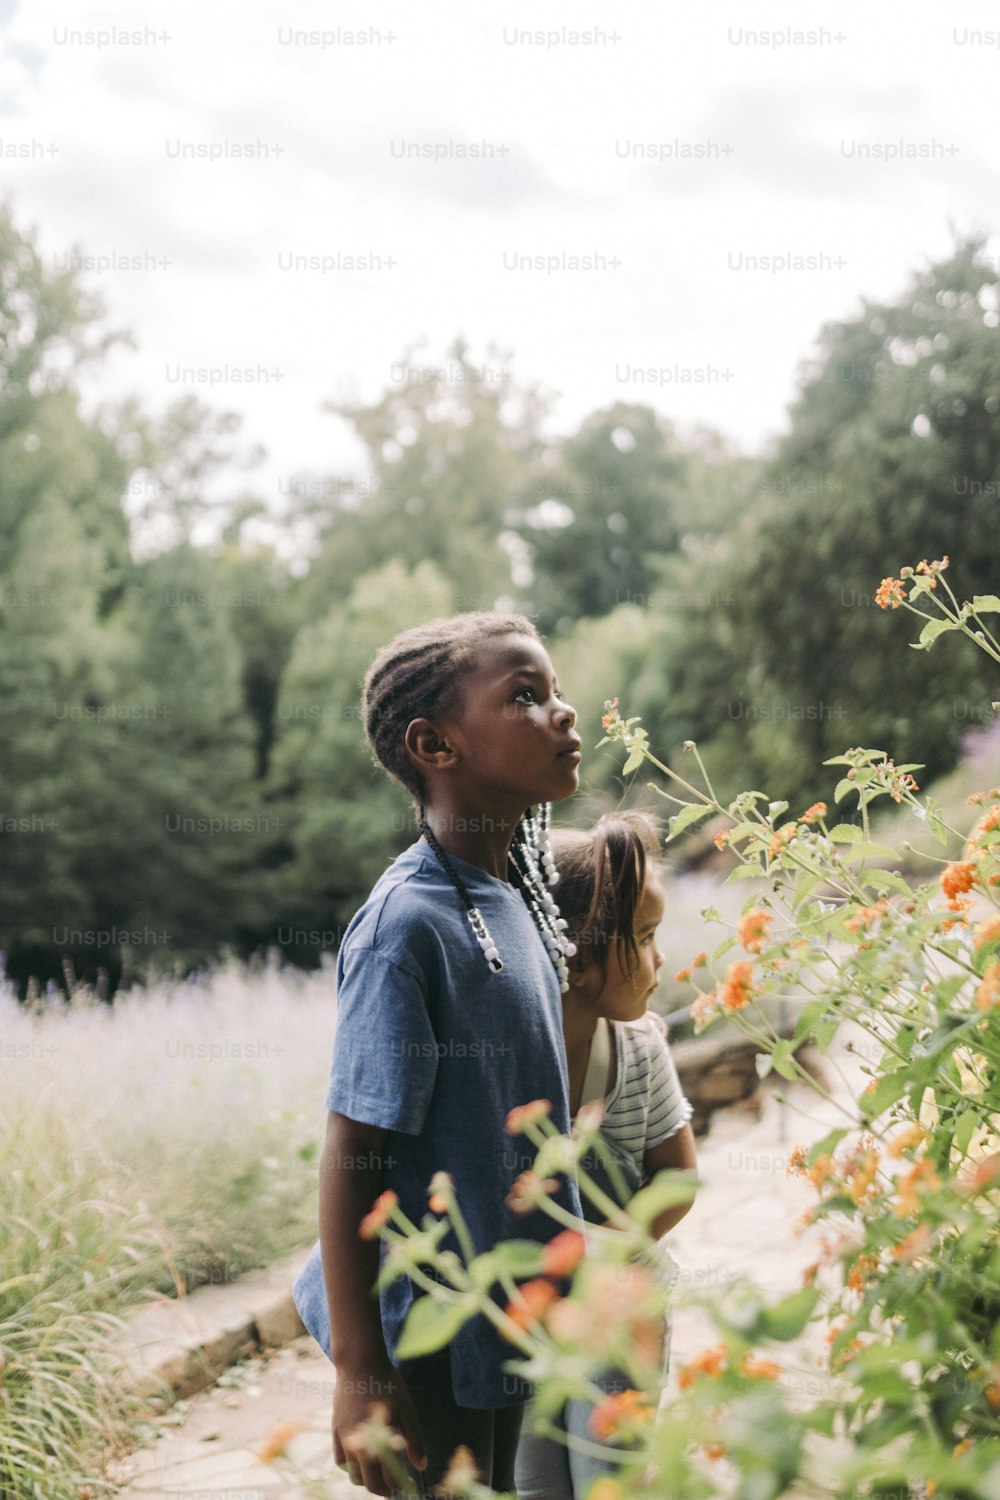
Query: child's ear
<point x="427" y="747"/>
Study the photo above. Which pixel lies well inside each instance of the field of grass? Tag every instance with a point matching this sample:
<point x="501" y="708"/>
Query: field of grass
<point x="163" y="1141"/>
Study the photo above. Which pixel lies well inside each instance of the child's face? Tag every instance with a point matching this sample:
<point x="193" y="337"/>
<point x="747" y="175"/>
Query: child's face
<point x="513" y="730"/>
<point x="624" y="996"/>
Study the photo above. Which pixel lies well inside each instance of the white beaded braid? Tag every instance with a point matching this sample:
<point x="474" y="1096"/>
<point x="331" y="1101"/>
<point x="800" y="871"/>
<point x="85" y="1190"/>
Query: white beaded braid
<point x="529" y="855"/>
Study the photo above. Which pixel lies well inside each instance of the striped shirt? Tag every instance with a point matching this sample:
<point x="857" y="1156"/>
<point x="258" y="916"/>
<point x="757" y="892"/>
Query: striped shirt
<point x="647" y="1103"/>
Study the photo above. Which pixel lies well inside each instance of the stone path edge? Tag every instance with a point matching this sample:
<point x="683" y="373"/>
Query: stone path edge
<point x="173" y="1347"/>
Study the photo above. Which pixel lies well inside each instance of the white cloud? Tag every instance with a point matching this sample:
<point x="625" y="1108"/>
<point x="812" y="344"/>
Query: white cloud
<point x="331" y="185"/>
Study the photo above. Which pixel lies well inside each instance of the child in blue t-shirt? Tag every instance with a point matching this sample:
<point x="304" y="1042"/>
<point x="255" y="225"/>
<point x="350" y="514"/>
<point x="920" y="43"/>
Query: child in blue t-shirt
<point x="449" y="1015"/>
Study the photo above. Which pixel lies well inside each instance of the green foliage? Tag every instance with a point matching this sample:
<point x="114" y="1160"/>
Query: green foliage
<point x="732" y="595"/>
<point x="145" y="1147"/>
<point x="346" y="820"/>
<point x="894" y="449"/>
<point x="910" y="1184"/>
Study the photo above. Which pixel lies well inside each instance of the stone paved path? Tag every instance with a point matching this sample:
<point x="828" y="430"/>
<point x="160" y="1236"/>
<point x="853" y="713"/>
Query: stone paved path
<point x="741" y="1223"/>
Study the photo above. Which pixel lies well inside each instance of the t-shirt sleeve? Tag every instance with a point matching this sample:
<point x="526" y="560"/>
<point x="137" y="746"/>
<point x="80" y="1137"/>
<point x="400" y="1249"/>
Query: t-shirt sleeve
<point x="668" y="1107"/>
<point x="385" y="1054"/>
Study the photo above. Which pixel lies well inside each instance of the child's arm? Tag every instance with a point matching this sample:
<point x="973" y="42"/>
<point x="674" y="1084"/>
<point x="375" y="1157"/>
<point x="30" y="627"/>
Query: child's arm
<point x="678" y="1153"/>
<point x="350" y="1181"/>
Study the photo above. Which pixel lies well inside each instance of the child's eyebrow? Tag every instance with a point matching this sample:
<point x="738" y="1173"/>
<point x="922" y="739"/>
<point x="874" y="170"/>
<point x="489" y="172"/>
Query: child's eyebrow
<point x="529" y="672"/>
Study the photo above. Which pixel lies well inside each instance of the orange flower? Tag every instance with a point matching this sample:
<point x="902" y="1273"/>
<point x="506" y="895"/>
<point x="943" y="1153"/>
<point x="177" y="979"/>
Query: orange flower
<point x="958" y="878"/>
<point x="818" y="810"/>
<point x="890" y="593"/>
<point x="781" y="837"/>
<point x="606" y="1489"/>
<point x="986" y="1174"/>
<point x="866" y="915"/>
<point x="379" y="1216"/>
<point x="711" y="1362"/>
<point x="722" y="838"/>
<point x="987" y="931"/>
<point x="611" y="715"/>
<point x="623" y="1409"/>
<point x="819" y="1171"/>
<point x="920" y="1178"/>
<point x="988" y="992"/>
<point x="713" y="1449"/>
<point x="737" y="988"/>
<point x="914" y="1244"/>
<point x="562" y="1255"/>
<point x="462" y="1472"/>
<point x="861" y="1272"/>
<point x="796" y="1162"/>
<point x="278" y="1439"/>
<point x="528" y="1191"/>
<point x="704" y="1008"/>
<point x="911" y="1135"/>
<point x="697" y="962"/>
<point x="962" y="1447"/>
<point x="989" y="821"/>
<point x="759" y="1369"/>
<point x="752" y="929"/>
<point x="859" y="1182"/>
<point x="440" y="1190"/>
<point x="534" y="1299"/>
<point x="523" y="1115"/>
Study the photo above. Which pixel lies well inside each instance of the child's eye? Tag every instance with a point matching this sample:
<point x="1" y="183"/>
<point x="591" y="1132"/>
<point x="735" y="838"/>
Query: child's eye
<point x="526" y="690"/>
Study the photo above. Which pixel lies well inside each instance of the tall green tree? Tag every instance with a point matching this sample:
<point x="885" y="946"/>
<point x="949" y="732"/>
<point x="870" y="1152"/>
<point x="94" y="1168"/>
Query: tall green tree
<point x="450" y="451"/>
<point x="605" y="516"/>
<point x="347" y="819"/>
<point x="893" y="455"/>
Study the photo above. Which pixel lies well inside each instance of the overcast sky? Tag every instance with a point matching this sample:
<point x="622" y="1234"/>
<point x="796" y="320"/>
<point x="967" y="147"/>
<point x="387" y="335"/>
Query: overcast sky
<point x="855" y="134"/>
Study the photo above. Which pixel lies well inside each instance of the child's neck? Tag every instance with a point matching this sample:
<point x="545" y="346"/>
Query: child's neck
<point x="474" y="834"/>
<point x="579" y="1026"/>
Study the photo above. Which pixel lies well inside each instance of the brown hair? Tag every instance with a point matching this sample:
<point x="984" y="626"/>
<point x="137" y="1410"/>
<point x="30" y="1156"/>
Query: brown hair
<point x="602" y="872"/>
<point x="417" y="675"/>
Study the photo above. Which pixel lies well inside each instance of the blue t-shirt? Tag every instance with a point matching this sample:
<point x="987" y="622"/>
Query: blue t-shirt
<point x="436" y="1049"/>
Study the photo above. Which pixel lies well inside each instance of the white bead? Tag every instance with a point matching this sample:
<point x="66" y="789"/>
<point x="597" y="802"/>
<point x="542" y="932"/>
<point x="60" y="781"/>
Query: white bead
<point x="569" y="949"/>
<point x="484" y="941"/>
<point x="491" y="952"/>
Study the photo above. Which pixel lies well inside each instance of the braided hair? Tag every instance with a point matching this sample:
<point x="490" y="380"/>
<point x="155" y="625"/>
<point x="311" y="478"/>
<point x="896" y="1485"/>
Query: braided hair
<point x="418" y="675"/>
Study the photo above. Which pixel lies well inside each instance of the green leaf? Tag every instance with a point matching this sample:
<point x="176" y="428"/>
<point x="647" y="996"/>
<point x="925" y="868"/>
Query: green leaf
<point x="827" y="1146"/>
<point x="693" y="813"/>
<point x="781" y="1056"/>
<point x="930" y="633"/>
<point x="964" y="1129"/>
<point x="520" y="1258"/>
<point x="635" y="759"/>
<point x="667" y="1189"/>
<point x="843" y="787"/>
<point x="431" y="1324"/>
<point x="786" y="1319"/>
<point x="986" y="604"/>
<point x="846" y="833"/>
<point x="763" y="1062"/>
<point x="889" y="1088"/>
<point x="889" y="880"/>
